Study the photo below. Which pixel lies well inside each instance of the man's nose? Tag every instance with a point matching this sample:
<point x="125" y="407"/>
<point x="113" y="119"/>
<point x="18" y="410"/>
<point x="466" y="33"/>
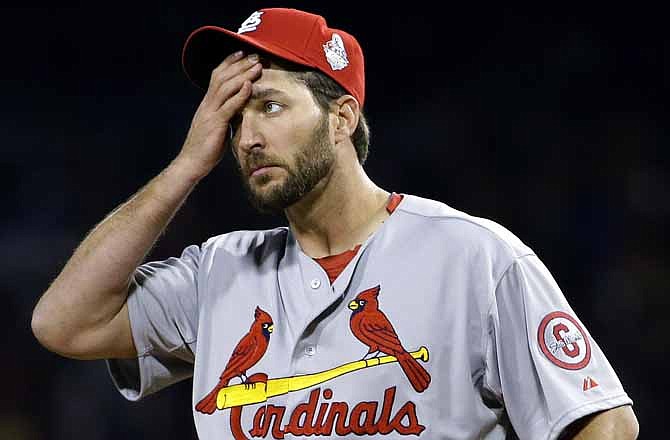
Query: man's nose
<point x="247" y="134"/>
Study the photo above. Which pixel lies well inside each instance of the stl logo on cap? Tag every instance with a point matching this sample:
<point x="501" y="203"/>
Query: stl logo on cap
<point x="335" y="53"/>
<point x="251" y="23"/>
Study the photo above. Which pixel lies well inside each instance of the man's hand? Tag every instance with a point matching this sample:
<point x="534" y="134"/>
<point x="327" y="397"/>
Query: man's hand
<point x="229" y="89"/>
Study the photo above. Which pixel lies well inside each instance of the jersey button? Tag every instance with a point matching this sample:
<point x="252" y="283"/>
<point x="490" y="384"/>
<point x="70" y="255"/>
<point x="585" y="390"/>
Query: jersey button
<point x="315" y="283"/>
<point x="310" y="350"/>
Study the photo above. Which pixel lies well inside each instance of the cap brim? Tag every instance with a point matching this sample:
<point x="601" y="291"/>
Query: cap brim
<point x="208" y="46"/>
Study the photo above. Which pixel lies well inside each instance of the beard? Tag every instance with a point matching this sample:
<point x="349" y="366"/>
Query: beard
<point x="313" y="161"/>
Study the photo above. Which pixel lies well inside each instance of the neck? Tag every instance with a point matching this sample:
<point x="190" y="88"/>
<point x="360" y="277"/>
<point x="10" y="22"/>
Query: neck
<point x="342" y="211"/>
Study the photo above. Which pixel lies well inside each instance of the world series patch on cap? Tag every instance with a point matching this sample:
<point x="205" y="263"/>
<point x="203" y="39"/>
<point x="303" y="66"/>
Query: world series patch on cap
<point x="290" y="34"/>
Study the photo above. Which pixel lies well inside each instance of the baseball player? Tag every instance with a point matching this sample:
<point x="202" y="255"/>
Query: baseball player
<point x="374" y="313"/>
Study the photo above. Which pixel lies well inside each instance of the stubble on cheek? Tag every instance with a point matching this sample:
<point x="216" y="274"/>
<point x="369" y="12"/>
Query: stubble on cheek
<point x="312" y="162"/>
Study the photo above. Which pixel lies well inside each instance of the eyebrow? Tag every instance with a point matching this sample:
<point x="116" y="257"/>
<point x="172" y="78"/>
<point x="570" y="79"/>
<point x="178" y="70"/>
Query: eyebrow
<point x="260" y="94"/>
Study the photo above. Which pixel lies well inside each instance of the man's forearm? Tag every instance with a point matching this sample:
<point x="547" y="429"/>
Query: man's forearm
<point x="82" y="313"/>
<point x="92" y="287"/>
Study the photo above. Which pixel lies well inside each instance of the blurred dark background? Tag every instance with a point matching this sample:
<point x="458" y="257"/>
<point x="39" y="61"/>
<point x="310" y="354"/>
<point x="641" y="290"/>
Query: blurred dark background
<point x="551" y="121"/>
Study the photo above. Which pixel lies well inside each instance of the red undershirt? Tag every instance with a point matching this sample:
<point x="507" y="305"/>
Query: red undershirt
<point x="335" y="264"/>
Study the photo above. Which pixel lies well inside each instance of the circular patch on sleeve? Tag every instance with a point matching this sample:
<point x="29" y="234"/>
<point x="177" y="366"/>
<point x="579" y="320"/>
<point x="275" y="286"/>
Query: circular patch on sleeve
<point x="563" y="341"/>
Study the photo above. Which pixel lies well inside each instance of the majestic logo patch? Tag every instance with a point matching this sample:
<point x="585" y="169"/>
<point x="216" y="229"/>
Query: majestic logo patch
<point x="335" y="53"/>
<point x="563" y="341"/>
<point x="251" y="23"/>
<point x="589" y="383"/>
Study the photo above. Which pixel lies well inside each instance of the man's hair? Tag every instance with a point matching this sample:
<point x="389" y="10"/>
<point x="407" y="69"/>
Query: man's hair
<point x="325" y="90"/>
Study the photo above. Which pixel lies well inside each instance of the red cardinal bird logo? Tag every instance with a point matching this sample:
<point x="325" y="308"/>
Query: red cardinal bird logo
<point x="371" y="326"/>
<point x="248" y="351"/>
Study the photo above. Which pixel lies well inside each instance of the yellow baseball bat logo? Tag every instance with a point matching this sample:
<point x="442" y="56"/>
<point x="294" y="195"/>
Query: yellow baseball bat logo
<point x="248" y="394"/>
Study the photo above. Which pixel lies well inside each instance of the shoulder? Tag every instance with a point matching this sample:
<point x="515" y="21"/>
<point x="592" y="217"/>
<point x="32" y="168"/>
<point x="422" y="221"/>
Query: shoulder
<point x="462" y="229"/>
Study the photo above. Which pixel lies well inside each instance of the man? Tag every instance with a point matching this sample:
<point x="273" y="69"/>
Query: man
<point x="374" y="313"/>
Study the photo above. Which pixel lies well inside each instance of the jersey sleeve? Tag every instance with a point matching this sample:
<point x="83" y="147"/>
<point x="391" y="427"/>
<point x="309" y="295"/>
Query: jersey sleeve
<point x="163" y="310"/>
<point x="541" y="360"/>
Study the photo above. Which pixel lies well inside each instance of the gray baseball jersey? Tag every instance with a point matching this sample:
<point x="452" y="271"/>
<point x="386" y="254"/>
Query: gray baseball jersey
<point x="444" y="326"/>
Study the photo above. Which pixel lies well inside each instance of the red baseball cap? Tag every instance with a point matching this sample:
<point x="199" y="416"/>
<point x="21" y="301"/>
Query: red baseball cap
<point x="290" y="34"/>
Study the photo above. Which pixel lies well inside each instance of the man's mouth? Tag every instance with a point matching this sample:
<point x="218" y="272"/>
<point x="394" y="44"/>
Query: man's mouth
<point x="261" y="169"/>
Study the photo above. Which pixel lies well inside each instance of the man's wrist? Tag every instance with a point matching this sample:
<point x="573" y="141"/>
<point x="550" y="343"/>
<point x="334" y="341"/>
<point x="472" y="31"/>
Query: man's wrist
<point x="186" y="170"/>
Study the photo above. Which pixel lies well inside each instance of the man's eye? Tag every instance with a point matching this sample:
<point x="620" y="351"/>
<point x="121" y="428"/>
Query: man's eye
<point x="272" y="107"/>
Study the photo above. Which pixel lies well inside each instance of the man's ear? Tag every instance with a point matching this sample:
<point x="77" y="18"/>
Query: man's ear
<point x="347" y="112"/>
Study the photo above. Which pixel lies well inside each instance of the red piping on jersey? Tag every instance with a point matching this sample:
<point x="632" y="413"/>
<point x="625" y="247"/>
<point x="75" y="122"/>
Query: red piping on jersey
<point x="335" y="264"/>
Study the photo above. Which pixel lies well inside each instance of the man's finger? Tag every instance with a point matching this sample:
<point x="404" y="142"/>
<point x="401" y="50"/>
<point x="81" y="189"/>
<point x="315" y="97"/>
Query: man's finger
<point x="227" y="62"/>
<point x="220" y="97"/>
<point x="231" y="67"/>
<point x="233" y="104"/>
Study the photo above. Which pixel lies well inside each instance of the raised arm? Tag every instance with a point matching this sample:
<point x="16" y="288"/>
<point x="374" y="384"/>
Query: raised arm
<point x="83" y="314"/>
